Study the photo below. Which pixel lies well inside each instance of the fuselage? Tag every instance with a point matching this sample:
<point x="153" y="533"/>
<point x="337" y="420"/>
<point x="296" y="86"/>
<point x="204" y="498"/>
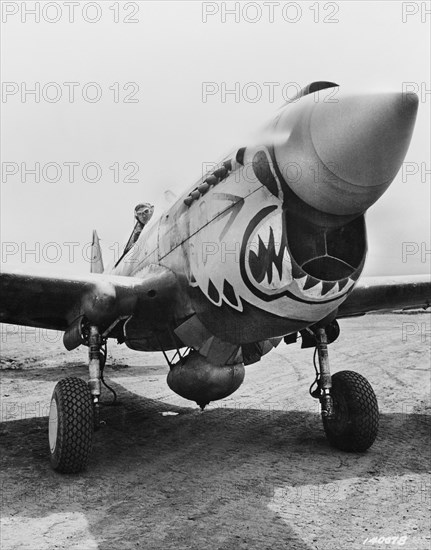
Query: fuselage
<point x="273" y="239"/>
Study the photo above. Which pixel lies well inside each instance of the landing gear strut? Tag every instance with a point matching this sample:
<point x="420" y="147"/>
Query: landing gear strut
<point x="324" y="381"/>
<point x="74" y="413"/>
<point x="94" y="371"/>
<point x="350" y="413"/>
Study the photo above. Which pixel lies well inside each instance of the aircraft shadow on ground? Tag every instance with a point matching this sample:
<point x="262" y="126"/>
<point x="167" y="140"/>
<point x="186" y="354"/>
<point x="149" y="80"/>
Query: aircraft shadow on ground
<point x="79" y="368"/>
<point x="184" y="474"/>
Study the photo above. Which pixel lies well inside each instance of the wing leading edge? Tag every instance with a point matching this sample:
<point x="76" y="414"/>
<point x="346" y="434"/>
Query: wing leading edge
<point x="387" y="293"/>
<point x="54" y="301"/>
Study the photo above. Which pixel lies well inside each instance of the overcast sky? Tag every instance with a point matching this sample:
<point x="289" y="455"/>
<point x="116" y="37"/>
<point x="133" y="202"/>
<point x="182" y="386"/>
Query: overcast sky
<point x="167" y="129"/>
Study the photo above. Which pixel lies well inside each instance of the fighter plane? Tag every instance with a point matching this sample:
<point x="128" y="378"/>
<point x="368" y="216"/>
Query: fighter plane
<point x="267" y="247"/>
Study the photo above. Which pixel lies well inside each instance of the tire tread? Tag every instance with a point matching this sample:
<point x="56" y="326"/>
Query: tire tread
<point x="363" y="412"/>
<point x="75" y="425"/>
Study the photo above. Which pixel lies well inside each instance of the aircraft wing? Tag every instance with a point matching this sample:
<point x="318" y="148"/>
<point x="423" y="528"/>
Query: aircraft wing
<point x="54" y="301"/>
<point x="387" y="293"/>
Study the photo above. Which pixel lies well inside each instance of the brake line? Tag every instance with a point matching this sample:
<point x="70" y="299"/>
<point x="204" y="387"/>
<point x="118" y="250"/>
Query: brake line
<point x="104" y="352"/>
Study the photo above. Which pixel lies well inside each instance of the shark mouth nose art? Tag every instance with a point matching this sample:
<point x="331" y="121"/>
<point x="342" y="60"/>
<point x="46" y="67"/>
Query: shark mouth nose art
<point x="272" y="269"/>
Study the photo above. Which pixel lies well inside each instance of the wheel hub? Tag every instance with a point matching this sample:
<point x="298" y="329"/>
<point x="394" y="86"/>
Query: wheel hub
<point x="53" y="425"/>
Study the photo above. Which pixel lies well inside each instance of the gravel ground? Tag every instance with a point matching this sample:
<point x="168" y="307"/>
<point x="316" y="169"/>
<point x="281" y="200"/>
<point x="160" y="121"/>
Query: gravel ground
<point x="253" y="471"/>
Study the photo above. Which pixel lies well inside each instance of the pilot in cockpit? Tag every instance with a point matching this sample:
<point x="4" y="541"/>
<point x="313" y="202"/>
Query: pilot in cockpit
<point x="143" y="214"/>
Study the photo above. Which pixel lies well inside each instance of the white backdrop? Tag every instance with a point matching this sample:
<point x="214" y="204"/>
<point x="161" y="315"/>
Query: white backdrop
<point x="167" y="128"/>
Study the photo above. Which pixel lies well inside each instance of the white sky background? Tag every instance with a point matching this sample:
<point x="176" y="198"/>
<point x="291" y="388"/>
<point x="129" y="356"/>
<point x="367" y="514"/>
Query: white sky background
<point x="170" y="132"/>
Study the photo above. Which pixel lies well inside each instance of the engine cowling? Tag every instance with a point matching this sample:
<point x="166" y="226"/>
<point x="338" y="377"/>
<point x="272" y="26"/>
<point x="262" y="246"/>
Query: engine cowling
<point x="198" y="380"/>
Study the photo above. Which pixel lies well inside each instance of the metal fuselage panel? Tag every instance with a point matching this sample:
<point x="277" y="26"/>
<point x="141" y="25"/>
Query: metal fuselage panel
<point x="213" y="248"/>
<point x="275" y="240"/>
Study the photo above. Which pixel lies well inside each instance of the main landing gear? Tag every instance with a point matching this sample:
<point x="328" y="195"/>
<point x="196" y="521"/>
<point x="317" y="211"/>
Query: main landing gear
<point x="350" y="413"/>
<point x="74" y="412"/>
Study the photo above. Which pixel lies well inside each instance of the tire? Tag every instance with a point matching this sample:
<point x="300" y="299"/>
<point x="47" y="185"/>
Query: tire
<point x="356" y="422"/>
<point x="70" y="426"/>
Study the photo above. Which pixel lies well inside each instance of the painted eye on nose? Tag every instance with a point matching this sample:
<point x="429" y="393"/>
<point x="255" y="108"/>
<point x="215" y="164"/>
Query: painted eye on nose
<point x="262" y="169"/>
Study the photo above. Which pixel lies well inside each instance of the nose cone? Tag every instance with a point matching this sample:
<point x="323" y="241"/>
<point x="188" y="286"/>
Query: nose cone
<point x="363" y="139"/>
<point x="360" y="143"/>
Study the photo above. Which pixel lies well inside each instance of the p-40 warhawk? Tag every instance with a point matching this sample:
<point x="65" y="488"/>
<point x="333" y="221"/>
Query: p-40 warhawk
<point x="268" y="246"/>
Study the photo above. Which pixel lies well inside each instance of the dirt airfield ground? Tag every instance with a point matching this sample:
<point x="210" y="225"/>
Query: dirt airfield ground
<point x="252" y="472"/>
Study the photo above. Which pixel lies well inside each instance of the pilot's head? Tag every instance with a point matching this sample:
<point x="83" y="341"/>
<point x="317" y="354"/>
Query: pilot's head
<point x="143" y="212"/>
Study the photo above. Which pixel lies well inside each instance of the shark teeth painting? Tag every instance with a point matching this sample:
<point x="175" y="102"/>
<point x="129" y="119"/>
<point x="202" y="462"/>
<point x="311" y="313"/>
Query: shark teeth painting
<point x="272" y="270"/>
<point x="268" y="258"/>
